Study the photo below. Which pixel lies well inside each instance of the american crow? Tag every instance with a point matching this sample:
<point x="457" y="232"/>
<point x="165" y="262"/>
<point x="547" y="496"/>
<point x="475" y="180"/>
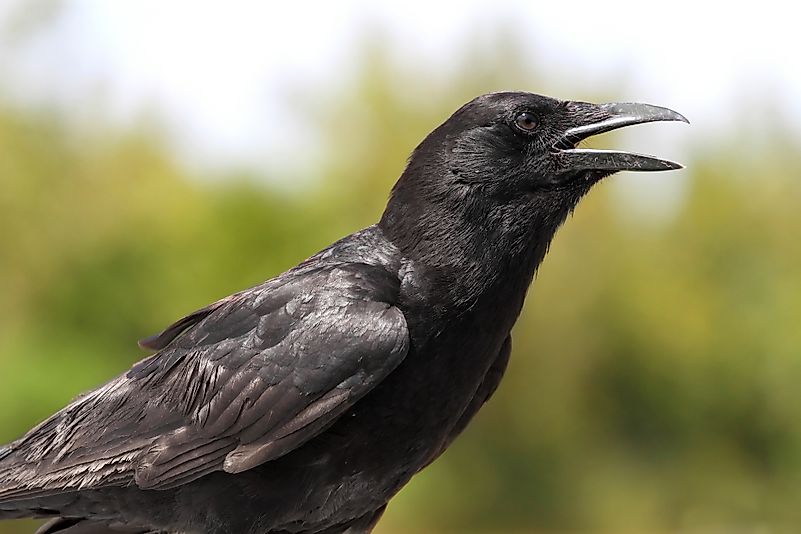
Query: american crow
<point x="302" y="405"/>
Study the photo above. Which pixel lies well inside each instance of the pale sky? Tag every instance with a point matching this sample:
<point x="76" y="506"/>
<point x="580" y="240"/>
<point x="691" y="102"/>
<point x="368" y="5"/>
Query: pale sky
<point x="218" y="72"/>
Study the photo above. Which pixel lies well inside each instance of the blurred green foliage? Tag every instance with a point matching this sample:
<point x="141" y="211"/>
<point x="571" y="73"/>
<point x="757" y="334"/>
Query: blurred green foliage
<point x="653" y="384"/>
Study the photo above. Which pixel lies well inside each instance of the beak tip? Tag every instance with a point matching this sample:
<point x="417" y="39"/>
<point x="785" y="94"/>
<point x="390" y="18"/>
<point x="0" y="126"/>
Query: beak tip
<point x="658" y="165"/>
<point x="667" y="114"/>
<point x="661" y="165"/>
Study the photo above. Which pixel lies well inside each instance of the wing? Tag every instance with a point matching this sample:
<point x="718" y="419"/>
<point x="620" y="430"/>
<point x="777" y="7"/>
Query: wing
<point x="234" y="385"/>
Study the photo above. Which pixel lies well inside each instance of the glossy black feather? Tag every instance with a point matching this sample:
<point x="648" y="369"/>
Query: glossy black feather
<point x="237" y="384"/>
<point x="304" y="404"/>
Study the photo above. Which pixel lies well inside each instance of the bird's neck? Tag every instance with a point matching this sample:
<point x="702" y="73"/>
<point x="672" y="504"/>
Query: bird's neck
<point x="475" y="251"/>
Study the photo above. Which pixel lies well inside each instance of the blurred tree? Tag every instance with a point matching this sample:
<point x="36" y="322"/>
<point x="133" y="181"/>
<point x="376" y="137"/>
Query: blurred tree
<point x="652" y="386"/>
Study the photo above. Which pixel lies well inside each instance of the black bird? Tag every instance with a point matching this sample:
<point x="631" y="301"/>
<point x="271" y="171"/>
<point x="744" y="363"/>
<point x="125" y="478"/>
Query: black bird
<point x="302" y="405"/>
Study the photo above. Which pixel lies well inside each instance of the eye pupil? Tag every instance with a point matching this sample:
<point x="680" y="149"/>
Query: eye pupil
<point x="526" y="121"/>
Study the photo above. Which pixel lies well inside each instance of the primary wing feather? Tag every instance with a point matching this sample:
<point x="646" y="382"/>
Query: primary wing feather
<point x="234" y="385"/>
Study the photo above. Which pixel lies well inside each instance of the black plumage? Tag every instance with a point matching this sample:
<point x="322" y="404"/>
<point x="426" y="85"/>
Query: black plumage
<point x="305" y="403"/>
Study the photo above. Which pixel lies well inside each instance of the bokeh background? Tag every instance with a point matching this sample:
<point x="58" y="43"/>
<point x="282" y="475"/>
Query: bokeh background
<point x="155" y="156"/>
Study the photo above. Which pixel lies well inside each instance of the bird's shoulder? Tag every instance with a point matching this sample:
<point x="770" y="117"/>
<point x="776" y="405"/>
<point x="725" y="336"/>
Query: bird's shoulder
<point x="272" y="366"/>
<point x="232" y="385"/>
<point x="362" y="266"/>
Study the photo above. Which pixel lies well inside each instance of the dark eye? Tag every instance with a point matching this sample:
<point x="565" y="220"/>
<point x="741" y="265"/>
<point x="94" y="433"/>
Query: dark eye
<point x="526" y="121"/>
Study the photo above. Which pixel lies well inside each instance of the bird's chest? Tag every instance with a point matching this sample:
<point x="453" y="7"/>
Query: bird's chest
<point x="411" y="416"/>
<point x="451" y="363"/>
<point x="422" y="400"/>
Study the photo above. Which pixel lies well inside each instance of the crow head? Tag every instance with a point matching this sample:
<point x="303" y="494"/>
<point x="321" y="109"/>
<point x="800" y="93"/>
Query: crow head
<point x="517" y="143"/>
<point x="505" y="168"/>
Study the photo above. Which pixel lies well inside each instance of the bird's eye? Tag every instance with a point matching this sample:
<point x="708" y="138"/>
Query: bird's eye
<point x="526" y="121"/>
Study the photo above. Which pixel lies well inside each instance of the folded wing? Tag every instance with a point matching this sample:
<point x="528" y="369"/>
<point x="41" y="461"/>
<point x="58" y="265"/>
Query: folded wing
<point x="243" y="381"/>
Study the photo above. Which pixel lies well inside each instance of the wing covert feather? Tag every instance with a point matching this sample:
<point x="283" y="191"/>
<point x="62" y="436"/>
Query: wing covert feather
<point x="239" y="383"/>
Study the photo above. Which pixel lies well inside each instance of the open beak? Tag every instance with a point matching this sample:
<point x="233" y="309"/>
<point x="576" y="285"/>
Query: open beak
<point x="593" y="119"/>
